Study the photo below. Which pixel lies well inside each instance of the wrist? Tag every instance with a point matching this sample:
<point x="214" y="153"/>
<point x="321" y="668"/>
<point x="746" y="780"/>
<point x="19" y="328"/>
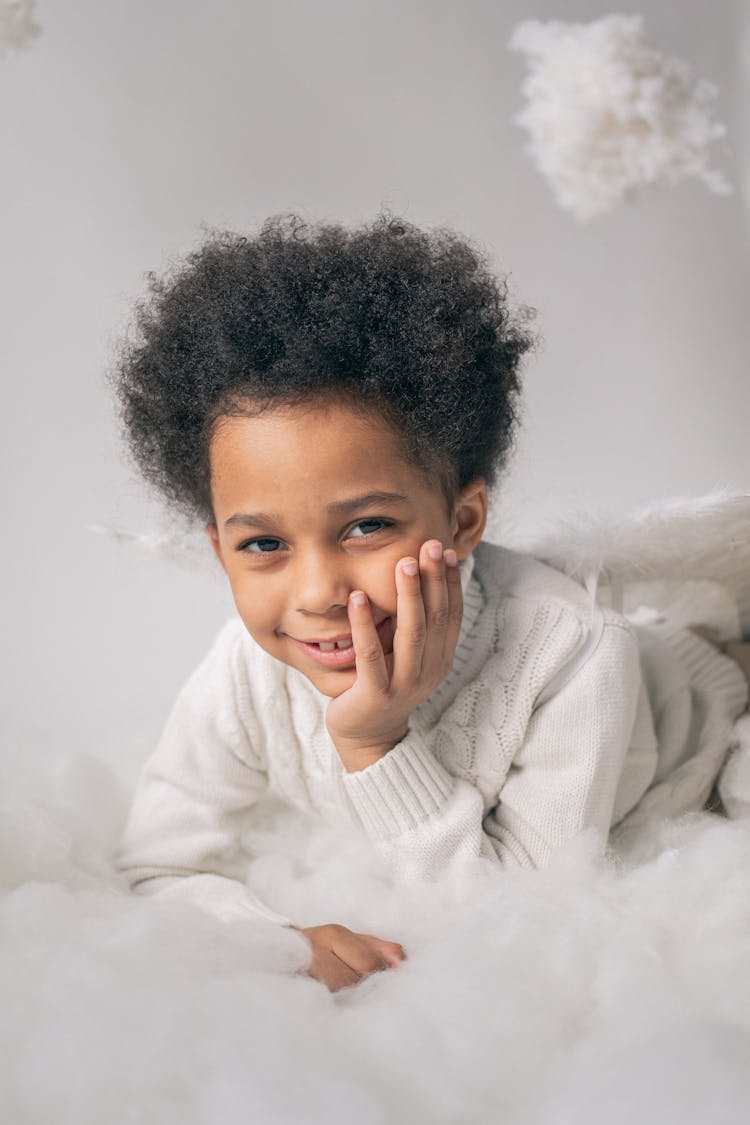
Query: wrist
<point x="358" y="756"/>
<point x="354" y="763"/>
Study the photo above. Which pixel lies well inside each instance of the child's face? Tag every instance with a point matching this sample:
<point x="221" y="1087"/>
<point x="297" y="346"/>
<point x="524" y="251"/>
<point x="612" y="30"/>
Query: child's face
<point x="311" y="503"/>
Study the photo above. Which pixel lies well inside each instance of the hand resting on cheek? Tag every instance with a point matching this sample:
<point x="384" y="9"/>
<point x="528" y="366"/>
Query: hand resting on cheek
<point x="372" y="716"/>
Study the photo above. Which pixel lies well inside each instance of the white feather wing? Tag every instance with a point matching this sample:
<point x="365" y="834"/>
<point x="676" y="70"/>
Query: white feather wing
<point x="686" y="557"/>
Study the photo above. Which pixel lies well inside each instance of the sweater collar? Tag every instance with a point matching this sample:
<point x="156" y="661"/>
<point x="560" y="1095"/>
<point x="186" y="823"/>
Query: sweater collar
<point x="466" y="568"/>
<point x="474" y="600"/>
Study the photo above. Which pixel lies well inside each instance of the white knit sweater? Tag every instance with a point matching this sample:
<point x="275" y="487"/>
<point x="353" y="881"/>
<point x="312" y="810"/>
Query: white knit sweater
<point x="558" y="717"/>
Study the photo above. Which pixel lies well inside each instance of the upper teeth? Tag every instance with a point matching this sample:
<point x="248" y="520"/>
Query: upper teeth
<point x="329" y="646"/>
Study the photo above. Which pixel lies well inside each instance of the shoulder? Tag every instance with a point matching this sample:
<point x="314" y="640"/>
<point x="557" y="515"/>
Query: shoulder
<point x="506" y="573"/>
<point x="548" y="615"/>
<point x="232" y="673"/>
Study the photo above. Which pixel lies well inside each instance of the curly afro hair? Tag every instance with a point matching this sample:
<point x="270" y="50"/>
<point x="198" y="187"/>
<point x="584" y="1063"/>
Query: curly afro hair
<point x="387" y="318"/>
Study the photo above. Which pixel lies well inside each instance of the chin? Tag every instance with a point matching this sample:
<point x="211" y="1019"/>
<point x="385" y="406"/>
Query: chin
<point x="331" y="683"/>
<point x="334" y="684"/>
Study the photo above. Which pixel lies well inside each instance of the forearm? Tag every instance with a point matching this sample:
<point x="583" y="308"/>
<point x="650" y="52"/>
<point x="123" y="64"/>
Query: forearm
<point x="418" y="815"/>
<point x="192" y="804"/>
<point x="356" y="759"/>
<point x="561" y="780"/>
<point x="224" y="898"/>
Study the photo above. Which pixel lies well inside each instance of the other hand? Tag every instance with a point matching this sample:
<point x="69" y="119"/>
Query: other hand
<point x="342" y="958"/>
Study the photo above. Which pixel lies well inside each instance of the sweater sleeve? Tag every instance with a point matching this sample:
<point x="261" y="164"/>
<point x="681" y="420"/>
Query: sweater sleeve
<point x="562" y="779"/>
<point x="565" y="777"/>
<point x="182" y="838"/>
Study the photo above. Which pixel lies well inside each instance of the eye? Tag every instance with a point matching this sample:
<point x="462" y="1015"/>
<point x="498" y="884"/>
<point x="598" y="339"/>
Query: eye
<point x="263" y="545"/>
<point x="363" y="528"/>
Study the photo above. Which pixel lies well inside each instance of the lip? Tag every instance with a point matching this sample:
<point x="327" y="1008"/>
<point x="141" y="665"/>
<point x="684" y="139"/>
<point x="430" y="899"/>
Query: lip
<point x="338" y="658"/>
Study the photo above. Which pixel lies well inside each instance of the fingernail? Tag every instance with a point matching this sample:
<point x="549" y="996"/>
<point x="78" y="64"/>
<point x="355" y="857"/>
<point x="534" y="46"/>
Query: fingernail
<point x="409" y="567"/>
<point x="451" y="558"/>
<point x="357" y="598"/>
<point x="435" y="551"/>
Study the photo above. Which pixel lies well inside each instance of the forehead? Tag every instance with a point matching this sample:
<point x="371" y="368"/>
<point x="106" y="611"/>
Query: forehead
<point x="291" y="456"/>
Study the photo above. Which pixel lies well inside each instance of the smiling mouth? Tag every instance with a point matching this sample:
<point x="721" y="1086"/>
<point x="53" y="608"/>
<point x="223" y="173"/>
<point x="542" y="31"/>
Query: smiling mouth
<point x="339" y="653"/>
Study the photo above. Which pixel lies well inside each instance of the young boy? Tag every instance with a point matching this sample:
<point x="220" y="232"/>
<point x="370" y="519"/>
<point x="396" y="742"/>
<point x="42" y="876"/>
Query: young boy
<point x="333" y="405"/>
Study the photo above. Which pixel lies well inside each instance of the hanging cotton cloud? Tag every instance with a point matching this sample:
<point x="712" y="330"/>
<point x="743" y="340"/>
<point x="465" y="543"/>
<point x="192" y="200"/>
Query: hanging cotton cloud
<point x="609" y="115"/>
<point x="17" y="26"/>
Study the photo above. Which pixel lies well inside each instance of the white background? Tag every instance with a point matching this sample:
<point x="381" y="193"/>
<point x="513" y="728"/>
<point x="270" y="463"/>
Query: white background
<point x="128" y="126"/>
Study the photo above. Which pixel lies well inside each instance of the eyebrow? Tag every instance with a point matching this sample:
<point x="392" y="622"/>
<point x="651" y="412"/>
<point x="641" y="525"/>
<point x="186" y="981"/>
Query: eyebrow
<point x="339" y="508"/>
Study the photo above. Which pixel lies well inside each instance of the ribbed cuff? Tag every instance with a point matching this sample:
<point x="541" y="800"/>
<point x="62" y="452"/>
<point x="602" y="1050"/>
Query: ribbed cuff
<point x="401" y="791"/>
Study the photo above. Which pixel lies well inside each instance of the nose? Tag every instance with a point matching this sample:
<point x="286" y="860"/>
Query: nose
<point x="322" y="582"/>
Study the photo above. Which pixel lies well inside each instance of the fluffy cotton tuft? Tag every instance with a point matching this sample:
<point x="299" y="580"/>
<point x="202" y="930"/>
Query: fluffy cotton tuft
<point x="172" y="541"/>
<point x="17" y="25"/>
<point x="609" y="115"/>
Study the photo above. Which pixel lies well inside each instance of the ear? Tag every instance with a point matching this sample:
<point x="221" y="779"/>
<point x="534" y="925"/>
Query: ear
<point x="469" y="516"/>
<point x="213" y="534"/>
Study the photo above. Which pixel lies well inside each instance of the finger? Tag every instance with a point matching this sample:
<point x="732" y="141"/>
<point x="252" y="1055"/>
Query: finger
<point x="369" y="658"/>
<point x="409" y="638"/>
<point x="359" y="953"/>
<point x="455" y="604"/>
<point x="435" y="595"/>
<point x="334" y="972"/>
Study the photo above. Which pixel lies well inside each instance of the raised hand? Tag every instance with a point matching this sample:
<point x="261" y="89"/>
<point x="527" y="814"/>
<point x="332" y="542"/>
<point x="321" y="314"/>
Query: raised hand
<point x="368" y="719"/>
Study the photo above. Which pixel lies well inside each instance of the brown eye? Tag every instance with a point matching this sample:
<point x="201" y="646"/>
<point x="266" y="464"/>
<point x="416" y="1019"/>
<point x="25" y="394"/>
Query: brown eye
<point x="367" y="527"/>
<point x="263" y="545"/>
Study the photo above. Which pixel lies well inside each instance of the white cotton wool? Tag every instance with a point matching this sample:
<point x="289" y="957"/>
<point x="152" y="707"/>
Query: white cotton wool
<point x="568" y="994"/>
<point x="609" y="115"/>
<point x="60" y="816"/>
<point x="685" y="1072"/>
<point x="17" y="24"/>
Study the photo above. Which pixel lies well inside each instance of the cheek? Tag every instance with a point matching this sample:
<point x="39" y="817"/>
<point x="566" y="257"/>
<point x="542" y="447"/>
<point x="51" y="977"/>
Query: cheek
<point x="378" y="580"/>
<point x="258" y="611"/>
<point x="381" y="573"/>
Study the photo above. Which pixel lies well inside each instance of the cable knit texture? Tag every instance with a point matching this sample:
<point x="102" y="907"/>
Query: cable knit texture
<point x="486" y="769"/>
